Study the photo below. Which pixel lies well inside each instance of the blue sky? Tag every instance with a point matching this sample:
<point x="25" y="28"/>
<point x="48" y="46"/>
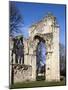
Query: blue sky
<point x="33" y="12"/>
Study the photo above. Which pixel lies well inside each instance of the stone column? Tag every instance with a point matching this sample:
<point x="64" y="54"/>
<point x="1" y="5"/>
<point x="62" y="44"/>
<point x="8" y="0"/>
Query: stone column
<point x="49" y="52"/>
<point x="55" y="63"/>
<point x="14" y="59"/>
<point x="34" y="68"/>
<point x="52" y="57"/>
<point x="48" y="67"/>
<point x="25" y="59"/>
<point x="26" y="52"/>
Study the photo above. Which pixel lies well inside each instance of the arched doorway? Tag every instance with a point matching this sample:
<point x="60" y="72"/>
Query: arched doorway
<point x="40" y="58"/>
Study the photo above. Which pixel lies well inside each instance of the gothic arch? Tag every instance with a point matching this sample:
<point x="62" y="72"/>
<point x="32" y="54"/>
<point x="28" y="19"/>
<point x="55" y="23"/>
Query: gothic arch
<point x="40" y="59"/>
<point x="46" y="30"/>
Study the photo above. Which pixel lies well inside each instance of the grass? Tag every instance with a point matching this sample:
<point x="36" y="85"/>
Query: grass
<point x="37" y="84"/>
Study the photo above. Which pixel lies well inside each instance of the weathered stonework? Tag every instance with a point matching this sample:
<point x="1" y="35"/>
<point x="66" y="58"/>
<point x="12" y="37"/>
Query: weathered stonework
<point x="48" y="31"/>
<point x="22" y="73"/>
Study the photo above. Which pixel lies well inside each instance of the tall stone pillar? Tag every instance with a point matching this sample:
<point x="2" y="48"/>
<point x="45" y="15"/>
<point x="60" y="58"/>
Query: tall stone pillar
<point x="34" y="68"/>
<point x="25" y="52"/>
<point x="48" y="67"/>
<point x="49" y="53"/>
<point x="55" y="63"/>
<point x="52" y="57"/>
<point x="14" y="58"/>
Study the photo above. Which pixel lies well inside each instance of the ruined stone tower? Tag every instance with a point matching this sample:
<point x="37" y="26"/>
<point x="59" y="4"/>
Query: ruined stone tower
<point x="48" y="30"/>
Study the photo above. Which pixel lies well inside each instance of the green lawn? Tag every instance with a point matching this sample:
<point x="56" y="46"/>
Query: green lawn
<point x="37" y="84"/>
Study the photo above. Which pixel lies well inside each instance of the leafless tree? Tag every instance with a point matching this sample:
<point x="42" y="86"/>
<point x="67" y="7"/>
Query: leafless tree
<point x="62" y="60"/>
<point x="15" y="19"/>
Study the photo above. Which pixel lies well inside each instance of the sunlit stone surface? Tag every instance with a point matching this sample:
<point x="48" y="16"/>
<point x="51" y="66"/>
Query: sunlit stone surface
<point x="46" y="30"/>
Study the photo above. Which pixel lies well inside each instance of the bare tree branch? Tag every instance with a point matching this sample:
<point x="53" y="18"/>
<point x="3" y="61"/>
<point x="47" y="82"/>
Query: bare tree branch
<point x="15" y="19"/>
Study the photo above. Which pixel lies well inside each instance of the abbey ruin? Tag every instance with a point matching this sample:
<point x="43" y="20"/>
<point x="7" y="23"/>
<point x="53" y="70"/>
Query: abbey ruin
<point x="47" y="31"/>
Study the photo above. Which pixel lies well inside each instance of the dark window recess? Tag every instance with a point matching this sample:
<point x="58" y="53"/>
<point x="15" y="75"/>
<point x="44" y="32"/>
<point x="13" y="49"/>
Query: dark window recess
<point x="48" y="68"/>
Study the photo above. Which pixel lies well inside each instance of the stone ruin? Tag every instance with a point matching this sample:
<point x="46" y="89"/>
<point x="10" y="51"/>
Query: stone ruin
<point x="46" y="30"/>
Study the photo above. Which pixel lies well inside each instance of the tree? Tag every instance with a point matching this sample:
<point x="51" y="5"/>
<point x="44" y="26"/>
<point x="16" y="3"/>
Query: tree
<point x="62" y="60"/>
<point x="15" y="19"/>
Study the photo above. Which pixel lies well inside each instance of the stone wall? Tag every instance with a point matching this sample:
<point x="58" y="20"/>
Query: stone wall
<point x="48" y="30"/>
<point x="22" y="73"/>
